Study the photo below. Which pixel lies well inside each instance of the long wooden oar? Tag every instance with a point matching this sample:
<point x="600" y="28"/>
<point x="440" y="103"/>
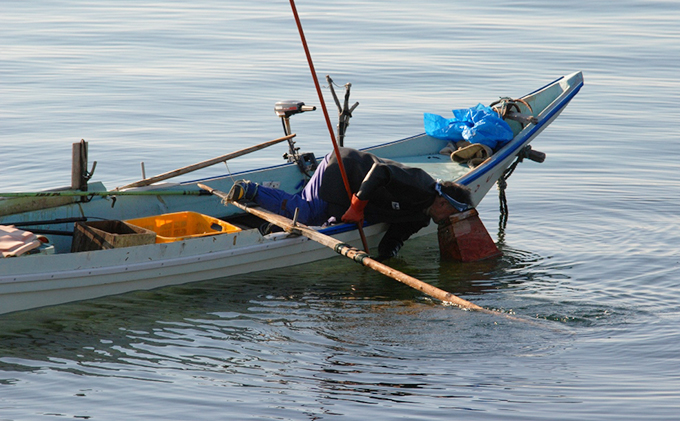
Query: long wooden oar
<point x="204" y="164"/>
<point x="352" y="253"/>
<point x="71" y="193"/>
<point x="341" y="166"/>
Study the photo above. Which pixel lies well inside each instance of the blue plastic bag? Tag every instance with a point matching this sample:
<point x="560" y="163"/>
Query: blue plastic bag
<point x="480" y="124"/>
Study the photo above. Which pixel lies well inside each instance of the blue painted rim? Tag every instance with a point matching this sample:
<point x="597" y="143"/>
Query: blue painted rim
<point x="523" y="140"/>
<point x="480" y="171"/>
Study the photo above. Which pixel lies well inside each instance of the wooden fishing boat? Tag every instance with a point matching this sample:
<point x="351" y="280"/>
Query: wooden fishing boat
<point x="59" y="275"/>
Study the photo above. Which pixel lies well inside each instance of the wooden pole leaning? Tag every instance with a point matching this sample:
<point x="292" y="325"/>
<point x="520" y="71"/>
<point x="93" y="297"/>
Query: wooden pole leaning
<point x="69" y="193"/>
<point x="350" y="252"/>
<point x="331" y="132"/>
<point x="204" y="164"/>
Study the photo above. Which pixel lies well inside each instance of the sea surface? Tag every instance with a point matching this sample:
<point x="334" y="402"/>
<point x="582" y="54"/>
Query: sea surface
<point x="591" y="247"/>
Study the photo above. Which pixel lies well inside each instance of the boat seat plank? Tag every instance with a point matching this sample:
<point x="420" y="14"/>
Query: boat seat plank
<point x="438" y="166"/>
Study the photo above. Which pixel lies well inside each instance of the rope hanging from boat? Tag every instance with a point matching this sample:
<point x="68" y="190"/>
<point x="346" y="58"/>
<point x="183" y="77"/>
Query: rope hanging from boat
<point x="526" y="152"/>
<point x="502" y="186"/>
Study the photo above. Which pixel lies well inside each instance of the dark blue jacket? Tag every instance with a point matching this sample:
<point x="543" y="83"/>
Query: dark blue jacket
<point x="396" y="194"/>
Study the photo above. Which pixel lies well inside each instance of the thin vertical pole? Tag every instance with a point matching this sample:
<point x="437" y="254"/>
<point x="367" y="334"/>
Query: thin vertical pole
<point x="325" y="114"/>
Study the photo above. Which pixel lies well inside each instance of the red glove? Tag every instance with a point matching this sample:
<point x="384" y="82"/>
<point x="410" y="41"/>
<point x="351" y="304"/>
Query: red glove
<point x="355" y="213"/>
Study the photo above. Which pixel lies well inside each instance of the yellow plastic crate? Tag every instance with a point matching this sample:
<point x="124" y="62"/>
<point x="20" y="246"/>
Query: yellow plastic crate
<point x="178" y="226"/>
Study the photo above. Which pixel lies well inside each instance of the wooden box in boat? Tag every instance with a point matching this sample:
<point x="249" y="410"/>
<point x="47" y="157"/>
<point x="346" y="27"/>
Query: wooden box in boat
<point x="105" y="235"/>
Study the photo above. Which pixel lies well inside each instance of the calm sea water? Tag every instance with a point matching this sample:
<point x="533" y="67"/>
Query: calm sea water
<point x="591" y="246"/>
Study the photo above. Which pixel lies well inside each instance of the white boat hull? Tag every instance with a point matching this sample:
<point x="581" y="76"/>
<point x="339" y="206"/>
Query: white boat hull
<point x="42" y="280"/>
<point x="93" y="274"/>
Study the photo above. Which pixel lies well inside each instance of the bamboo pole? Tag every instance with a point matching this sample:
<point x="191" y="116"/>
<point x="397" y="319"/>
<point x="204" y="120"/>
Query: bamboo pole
<point x="362" y="257"/>
<point x="204" y="164"/>
<point x="70" y="193"/>
<point x="352" y="253"/>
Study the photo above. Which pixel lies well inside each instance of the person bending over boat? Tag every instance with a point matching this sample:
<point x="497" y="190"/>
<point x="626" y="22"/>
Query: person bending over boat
<point x="384" y="191"/>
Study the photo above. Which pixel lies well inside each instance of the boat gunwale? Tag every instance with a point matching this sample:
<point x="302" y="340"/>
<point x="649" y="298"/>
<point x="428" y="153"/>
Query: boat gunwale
<point x="512" y="149"/>
<point x="171" y="261"/>
<point x="206" y="254"/>
<point x="520" y="140"/>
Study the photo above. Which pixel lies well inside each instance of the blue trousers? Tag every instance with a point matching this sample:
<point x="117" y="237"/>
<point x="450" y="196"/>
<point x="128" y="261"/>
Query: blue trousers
<point x="311" y="209"/>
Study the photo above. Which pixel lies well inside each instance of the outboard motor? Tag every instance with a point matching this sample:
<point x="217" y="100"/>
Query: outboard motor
<point x="284" y="109"/>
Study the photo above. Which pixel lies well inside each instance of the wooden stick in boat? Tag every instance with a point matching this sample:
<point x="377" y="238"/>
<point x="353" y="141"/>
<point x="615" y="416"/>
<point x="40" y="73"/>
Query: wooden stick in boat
<point x="351" y="253"/>
<point x="331" y="132"/>
<point x="204" y="164"/>
<point x="70" y="193"/>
